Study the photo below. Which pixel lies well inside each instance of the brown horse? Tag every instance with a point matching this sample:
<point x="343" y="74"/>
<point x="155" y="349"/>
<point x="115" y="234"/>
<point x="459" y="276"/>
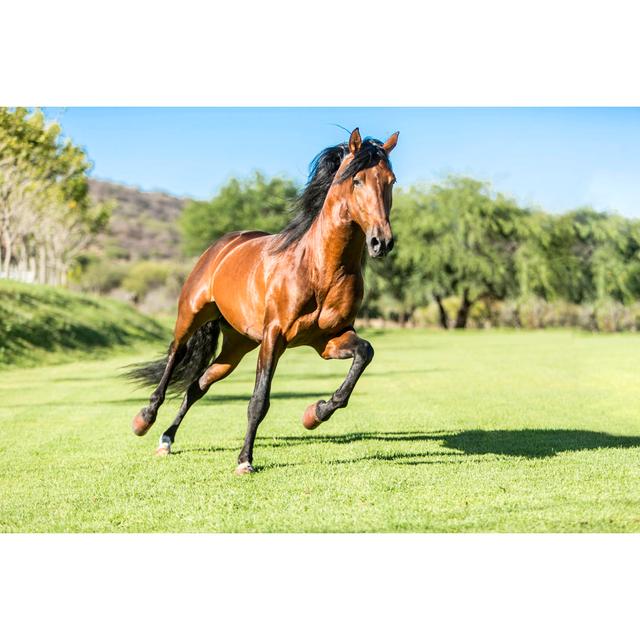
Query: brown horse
<point x="302" y="286"/>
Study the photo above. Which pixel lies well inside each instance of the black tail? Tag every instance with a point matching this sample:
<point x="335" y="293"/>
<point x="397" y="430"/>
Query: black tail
<point x="197" y="355"/>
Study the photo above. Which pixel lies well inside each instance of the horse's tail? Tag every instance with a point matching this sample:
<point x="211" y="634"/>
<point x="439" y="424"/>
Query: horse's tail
<point x="196" y="357"/>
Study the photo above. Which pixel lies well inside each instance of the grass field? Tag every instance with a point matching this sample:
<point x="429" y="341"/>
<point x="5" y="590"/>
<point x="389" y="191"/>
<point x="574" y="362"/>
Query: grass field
<point x="465" y="431"/>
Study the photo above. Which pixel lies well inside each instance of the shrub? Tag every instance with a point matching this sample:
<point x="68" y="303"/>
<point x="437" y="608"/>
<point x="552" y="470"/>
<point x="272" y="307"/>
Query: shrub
<point x="613" y="316"/>
<point x="95" y="274"/>
<point x="145" y="276"/>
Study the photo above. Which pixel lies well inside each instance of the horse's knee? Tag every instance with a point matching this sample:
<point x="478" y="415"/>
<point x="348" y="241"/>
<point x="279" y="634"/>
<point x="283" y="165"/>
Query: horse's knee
<point x="365" y="351"/>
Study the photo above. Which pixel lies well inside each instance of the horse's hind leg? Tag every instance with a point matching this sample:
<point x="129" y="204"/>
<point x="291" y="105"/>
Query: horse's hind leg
<point x="186" y="325"/>
<point x="234" y="347"/>
<point x="346" y="345"/>
<point x="147" y="416"/>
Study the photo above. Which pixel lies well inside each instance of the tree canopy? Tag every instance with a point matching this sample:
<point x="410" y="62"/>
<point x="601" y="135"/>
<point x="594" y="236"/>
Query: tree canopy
<point x="455" y="239"/>
<point x="255" y="203"/>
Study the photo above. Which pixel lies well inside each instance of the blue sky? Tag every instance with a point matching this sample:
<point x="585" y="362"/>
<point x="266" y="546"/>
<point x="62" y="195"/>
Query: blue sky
<point x="557" y="158"/>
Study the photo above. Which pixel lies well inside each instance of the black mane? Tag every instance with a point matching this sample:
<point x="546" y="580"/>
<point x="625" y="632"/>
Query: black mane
<point x="322" y="171"/>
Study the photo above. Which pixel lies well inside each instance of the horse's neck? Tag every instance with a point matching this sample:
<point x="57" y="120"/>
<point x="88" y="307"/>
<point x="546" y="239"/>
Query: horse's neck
<point x="333" y="244"/>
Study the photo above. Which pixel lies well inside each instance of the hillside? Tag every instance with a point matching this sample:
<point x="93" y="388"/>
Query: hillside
<point x="40" y="323"/>
<point x="143" y="225"/>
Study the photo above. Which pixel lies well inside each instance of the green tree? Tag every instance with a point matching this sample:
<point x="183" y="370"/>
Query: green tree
<point x="256" y="203"/>
<point x="46" y="215"/>
<point x="536" y="275"/>
<point x="615" y="259"/>
<point x="589" y="255"/>
<point x="459" y="239"/>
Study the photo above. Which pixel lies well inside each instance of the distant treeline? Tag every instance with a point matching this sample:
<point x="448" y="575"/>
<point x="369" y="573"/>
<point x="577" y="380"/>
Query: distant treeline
<point x="465" y="255"/>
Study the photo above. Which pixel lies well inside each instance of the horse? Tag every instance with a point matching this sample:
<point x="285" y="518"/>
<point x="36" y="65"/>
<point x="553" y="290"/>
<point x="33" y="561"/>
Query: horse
<point x="302" y="286"/>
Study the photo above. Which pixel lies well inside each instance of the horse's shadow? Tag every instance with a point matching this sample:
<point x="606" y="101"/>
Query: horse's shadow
<point x="524" y="443"/>
<point x="535" y="443"/>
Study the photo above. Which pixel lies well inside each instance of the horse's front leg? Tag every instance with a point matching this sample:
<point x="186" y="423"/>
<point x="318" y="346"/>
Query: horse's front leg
<point x="346" y="345"/>
<point x="271" y="349"/>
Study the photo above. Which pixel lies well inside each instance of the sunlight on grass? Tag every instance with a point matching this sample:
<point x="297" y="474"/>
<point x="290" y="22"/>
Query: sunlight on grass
<point x="473" y="431"/>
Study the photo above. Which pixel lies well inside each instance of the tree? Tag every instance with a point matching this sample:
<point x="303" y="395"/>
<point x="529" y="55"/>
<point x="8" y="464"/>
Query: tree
<point x="256" y="203"/>
<point x="615" y="259"/>
<point x="46" y="215"/>
<point x="459" y="239"/>
<point x="581" y="256"/>
<point x="532" y="257"/>
<point x="393" y="288"/>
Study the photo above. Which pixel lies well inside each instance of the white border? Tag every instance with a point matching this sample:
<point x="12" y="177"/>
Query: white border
<point x="285" y="52"/>
<point x="315" y="586"/>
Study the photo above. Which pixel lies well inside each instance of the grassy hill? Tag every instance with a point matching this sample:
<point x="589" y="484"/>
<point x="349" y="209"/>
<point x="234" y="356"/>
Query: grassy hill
<point x="143" y="224"/>
<point x="45" y="324"/>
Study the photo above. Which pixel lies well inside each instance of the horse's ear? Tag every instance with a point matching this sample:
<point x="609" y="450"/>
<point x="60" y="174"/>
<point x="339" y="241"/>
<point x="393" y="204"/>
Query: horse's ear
<point x="355" y="141"/>
<point x="390" y="144"/>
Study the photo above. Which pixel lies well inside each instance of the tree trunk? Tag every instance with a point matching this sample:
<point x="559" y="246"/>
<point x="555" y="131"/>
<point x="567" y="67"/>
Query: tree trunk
<point x="42" y="268"/>
<point x="463" y="311"/>
<point x="8" y="251"/>
<point x="33" y="266"/>
<point x="444" y="316"/>
<point x="22" y="259"/>
<point x="405" y="316"/>
<point x="62" y="274"/>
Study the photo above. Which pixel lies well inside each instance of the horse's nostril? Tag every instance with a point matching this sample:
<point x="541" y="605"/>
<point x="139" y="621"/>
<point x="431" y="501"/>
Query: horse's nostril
<point x="377" y="246"/>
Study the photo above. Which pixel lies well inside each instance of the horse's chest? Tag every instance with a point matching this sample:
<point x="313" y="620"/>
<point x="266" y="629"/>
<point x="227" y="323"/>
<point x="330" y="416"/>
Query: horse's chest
<point x="338" y="309"/>
<point x="332" y="309"/>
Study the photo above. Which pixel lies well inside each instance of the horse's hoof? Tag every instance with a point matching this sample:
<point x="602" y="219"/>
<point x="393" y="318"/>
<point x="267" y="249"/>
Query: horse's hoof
<point x="309" y="419"/>
<point x="140" y="424"/>
<point x="163" y="450"/>
<point x="244" y="468"/>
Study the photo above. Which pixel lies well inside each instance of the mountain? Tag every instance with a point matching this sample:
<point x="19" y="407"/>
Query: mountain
<point x="143" y="223"/>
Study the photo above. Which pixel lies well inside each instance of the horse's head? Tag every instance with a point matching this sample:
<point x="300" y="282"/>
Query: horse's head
<point x="368" y="183"/>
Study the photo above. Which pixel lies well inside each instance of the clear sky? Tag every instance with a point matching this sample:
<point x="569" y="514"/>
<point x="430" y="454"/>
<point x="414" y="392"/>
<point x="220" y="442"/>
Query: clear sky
<point x="557" y="158"/>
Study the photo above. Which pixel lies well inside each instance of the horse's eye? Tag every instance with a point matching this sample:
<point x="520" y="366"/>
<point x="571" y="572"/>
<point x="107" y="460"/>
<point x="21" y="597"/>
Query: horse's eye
<point x="357" y="183"/>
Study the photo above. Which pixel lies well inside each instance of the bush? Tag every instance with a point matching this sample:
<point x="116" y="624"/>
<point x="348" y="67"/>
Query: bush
<point x="480" y="316"/>
<point x="155" y="286"/>
<point x="144" y="277"/>
<point x="95" y="274"/>
<point x="613" y="316"/>
<point x="506" y="314"/>
<point x="537" y="313"/>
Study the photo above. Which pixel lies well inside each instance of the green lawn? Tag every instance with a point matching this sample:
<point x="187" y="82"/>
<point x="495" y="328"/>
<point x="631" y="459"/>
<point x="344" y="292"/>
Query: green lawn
<point x="466" y="431"/>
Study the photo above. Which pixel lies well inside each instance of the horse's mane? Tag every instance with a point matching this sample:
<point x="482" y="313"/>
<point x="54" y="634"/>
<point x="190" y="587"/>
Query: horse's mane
<point x="322" y="171"/>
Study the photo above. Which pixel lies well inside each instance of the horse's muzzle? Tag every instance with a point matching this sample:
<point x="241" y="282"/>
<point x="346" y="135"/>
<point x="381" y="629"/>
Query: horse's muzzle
<point x="379" y="246"/>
